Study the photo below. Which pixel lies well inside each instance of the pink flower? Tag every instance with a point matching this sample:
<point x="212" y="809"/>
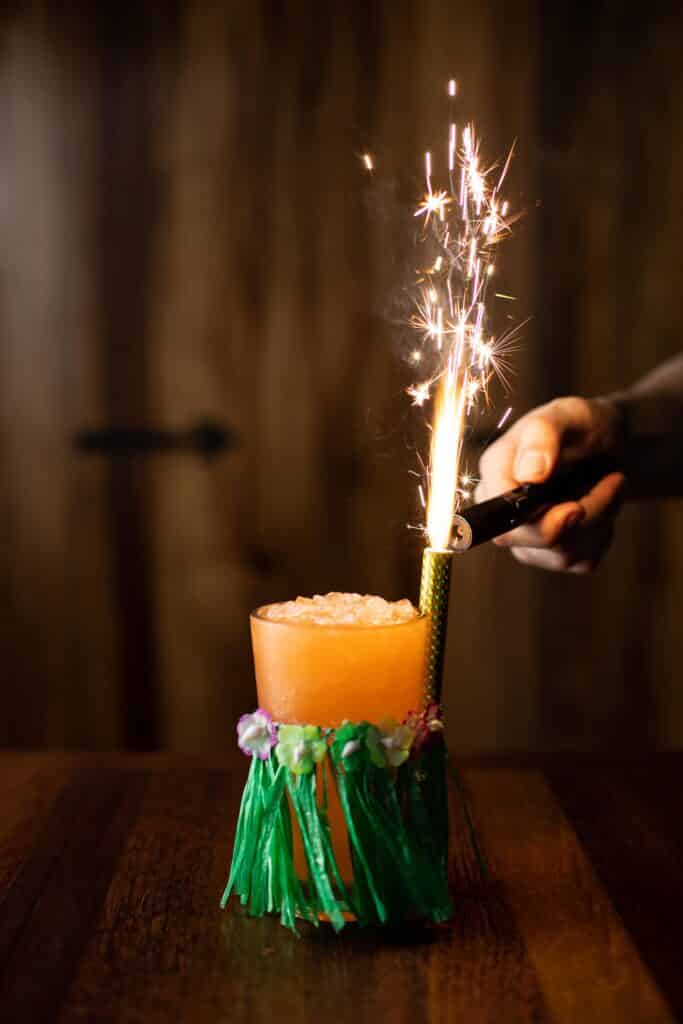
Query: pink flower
<point x="256" y="734"/>
<point x="428" y="727"/>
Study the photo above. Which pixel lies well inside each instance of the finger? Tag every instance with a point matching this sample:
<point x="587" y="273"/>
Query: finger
<point x="587" y="560"/>
<point x="546" y="531"/>
<point x="585" y="546"/>
<point x="604" y="499"/>
<point x="552" y="559"/>
<point x="580" y="552"/>
<point x="582" y="568"/>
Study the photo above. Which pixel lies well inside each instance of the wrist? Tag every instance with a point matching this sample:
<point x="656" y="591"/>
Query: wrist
<point x="614" y="426"/>
<point x="649" y="442"/>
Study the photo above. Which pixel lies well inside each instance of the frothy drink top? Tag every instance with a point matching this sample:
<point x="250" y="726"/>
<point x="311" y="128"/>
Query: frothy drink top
<point x="341" y="610"/>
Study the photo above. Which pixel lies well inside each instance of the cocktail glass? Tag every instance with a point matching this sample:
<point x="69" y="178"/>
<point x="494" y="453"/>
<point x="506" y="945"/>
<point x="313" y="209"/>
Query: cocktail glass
<point x="310" y="673"/>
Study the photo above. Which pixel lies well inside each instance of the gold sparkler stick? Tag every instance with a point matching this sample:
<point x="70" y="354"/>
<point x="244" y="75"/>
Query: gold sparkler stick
<point x="435" y="588"/>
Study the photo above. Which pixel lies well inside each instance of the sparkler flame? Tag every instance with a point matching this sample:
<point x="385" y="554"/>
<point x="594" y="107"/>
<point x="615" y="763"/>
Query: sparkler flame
<point x="444" y="458"/>
<point x="463" y="222"/>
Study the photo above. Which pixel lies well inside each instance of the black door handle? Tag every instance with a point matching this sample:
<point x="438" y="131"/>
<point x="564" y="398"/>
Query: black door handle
<point x="206" y="437"/>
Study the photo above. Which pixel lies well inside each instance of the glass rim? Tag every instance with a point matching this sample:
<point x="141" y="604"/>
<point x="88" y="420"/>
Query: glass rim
<point x="256" y="614"/>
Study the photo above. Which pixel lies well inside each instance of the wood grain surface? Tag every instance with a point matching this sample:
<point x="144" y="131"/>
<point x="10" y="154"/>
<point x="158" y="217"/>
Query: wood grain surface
<point x="111" y="868"/>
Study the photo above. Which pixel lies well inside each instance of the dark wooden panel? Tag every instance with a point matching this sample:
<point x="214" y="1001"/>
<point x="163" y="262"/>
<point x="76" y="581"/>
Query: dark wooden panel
<point x="188" y="231"/>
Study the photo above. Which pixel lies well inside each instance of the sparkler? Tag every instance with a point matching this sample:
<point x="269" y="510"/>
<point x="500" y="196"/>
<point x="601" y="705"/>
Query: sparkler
<point x="463" y="222"/>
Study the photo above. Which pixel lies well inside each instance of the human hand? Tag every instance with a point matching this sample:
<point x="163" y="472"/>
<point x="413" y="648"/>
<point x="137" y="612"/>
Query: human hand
<point x="574" y="535"/>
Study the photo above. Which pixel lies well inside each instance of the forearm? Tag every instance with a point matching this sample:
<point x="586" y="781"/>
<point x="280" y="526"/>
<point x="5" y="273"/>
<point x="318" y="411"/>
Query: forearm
<point x="651" y="431"/>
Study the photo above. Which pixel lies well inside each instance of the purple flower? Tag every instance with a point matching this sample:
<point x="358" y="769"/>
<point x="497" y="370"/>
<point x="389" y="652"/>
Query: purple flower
<point x="256" y="734"/>
<point x="427" y="726"/>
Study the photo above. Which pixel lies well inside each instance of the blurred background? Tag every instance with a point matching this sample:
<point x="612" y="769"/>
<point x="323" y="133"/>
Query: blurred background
<point x="202" y="395"/>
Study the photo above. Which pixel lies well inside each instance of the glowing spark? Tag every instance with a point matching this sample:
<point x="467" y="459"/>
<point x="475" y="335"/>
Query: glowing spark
<point x="504" y="418"/>
<point x="502" y="295"/>
<point x="473" y="256"/>
<point x="499" y="350"/>
<point x="451" y="87"/>
<point x="428" y="170"/>
<point x="432" y="295"/>
<point x="368" y="161"/>
<point x="485" y="353"/>
<point x="451" y="148"/>
<point x="431" y="326"/>
<point x="506" y="167"/>
<point x="490" y="269"/>
<point x="433" y="203"/>
<point x="419" y="393"/>
<point x="438" y="262"/>
<point x="416" y="356"/>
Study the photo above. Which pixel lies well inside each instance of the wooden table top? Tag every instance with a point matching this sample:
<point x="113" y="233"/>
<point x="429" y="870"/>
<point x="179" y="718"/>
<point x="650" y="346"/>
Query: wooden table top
<point x="111" y="868"/>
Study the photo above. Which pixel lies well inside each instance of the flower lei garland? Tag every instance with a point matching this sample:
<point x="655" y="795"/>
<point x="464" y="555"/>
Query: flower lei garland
<point x="300" y="747"/>
<point x="391" y="782"/>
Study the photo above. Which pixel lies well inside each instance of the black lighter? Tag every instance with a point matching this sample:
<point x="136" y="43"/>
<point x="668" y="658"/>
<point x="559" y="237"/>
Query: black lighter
<point x="491" y="518"/>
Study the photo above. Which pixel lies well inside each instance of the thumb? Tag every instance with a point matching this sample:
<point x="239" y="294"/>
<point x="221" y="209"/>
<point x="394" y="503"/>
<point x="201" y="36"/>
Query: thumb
<point x="538" y="449"/>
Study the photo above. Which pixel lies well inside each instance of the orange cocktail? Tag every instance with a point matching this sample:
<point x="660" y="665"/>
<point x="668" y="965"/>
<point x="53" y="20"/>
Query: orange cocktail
<point x="322" y="660"/>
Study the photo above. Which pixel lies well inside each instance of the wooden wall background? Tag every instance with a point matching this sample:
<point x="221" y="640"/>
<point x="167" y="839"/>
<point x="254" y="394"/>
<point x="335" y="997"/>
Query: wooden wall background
<point x="185" y="231"/>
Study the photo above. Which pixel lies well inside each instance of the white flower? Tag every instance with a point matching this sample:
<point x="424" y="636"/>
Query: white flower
<point x="351" y="747"/>
<point x="256" y="734"/>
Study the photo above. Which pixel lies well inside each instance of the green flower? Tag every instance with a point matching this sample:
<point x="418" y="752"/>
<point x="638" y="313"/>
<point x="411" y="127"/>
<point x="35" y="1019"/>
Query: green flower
<point x="300" y="747"/>
<point x="373" y="740"/>
<point x="348" y="746"/>
<point x="387" y="745"/>
<point x="395" y="741"/>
